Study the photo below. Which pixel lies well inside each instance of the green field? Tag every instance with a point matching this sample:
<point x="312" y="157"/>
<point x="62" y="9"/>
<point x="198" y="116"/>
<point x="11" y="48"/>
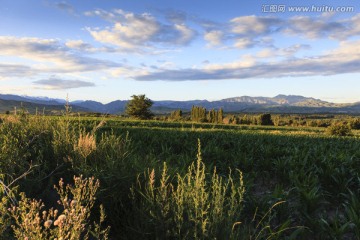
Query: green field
<point x="157" y="179"/>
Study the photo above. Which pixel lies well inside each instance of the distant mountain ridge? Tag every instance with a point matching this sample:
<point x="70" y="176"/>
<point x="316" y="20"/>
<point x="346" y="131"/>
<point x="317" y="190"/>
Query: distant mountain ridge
<point x="292" y="100"/>
<point x="278" y="104"/>
<point x="40" y="100"/>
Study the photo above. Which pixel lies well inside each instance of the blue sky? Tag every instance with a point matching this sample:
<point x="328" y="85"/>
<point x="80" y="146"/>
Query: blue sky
<point x="106" y="50"/>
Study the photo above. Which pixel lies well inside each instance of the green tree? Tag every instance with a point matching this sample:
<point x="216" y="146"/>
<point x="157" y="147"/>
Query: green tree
<point x="139" y="107"/>
<point x="212" y="116"/>
<point x="198" y="114"/>
<point x="220" y="115"/>
<point x="265" y="119"/>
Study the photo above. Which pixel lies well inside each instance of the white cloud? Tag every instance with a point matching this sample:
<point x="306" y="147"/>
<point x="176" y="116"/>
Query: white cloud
<point x="80" y="45"/>
<point x="128" y="72"/>
<point x="282" y="52"/>
<point x="136" y="30"/>
<point x="314" y="28"/>
<point x="266" y="53"/>
<point x="353" y="28"/>
<point x="249" y="31"/>
<point x="347" y="51"/>
<point x="243" y="43"/>
<point x="244" y="32"/>
<point x="246" y="61"/>
<point x="254" y="25"/>
<point x="101" y="13"/>
<point x="289" y="51"/>
<point x="323" y="27"/>
<point x="214" y="38"/>
<point x="185" y="34"/>
<point x="132" y="31"/>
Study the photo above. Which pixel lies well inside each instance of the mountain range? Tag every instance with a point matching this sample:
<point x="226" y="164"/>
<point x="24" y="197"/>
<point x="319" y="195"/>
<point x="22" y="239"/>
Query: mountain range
<point x="277" y="104"/>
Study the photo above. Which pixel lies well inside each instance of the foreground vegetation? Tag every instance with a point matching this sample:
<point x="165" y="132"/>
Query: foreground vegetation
<point x="175" y="180"/>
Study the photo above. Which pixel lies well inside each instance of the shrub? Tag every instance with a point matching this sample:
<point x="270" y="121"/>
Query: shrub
<point x="339" y="129"/>
<point x="355" y="123"/>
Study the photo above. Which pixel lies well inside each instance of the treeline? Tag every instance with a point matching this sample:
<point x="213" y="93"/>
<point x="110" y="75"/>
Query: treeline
<point x="201" y="115"/>
<point x="262" y="119"/>
<point x="293" y="120"/>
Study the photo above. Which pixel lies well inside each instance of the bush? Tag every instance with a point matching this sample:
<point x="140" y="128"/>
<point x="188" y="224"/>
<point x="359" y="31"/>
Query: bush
<point x="355" y="123"/>
<point x="339" y="129"/>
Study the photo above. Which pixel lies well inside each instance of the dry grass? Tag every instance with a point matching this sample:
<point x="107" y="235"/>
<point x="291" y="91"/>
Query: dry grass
<point x="12" y="119"/>
<point x="86" y="144"/>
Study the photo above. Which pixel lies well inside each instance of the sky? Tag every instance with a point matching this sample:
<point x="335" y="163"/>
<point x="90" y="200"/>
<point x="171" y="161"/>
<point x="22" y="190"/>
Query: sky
<point x="106" y="50"/>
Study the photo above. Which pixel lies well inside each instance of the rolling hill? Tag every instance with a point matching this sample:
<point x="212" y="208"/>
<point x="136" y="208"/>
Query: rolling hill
<point x="277" y="104"/>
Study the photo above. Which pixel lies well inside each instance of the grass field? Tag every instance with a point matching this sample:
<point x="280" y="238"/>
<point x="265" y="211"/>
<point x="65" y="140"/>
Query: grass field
<point x="182" y="180"/>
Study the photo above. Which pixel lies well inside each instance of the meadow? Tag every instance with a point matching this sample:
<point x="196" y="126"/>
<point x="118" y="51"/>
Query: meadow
<point x="175" y="180"/>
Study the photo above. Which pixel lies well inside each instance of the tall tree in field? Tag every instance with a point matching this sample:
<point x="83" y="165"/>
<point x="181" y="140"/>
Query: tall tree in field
<point x="220" y="115"/>
<point x="265" y="119"/>
<point x="212" y="116"/>
<point x="198" y="114"/>
<point x="139" y="107"/>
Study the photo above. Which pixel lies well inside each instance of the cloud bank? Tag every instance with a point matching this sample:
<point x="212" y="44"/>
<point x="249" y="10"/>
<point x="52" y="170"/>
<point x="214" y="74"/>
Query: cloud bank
<point x="14" y="70"/>
<point x="246" y="32"/>
<point x="49" y="56"/>
<point x="345" y="59"/>
<point x="61" y="84"/>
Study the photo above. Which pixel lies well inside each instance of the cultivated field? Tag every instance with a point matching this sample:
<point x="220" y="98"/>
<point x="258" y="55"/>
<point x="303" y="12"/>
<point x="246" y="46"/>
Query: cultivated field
<point x="175" y="180"/>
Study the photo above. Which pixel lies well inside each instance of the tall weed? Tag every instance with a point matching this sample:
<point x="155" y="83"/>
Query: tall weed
<point x="195" y="206"/>
<point x="69" y="221"/>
